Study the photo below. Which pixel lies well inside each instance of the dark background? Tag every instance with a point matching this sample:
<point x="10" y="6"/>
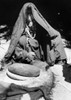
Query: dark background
<point x="56" y="12"/>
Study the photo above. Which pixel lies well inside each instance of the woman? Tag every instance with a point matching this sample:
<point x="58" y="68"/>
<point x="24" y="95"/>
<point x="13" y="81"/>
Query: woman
<point x="54" y="52"/>
<point x="28" y="49"/>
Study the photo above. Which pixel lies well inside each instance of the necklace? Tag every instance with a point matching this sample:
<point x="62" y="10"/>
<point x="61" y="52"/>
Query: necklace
<point x="28" y="32"/>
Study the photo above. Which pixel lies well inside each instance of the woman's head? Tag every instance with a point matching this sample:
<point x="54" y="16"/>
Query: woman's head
<point x="30" y="21"/>
<point x="29" y="17"/>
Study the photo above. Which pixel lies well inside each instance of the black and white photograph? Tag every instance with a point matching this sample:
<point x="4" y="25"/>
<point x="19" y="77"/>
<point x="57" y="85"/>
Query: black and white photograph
<point x="35" y="49"/>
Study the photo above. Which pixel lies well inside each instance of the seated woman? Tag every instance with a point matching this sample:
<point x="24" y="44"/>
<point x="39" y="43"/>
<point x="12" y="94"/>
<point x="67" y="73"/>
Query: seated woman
<point x="24" y="48"/>
<point x="27" y="51"/>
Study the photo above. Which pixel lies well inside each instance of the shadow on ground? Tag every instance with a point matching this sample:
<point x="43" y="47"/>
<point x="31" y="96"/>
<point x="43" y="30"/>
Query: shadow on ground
<point x="67" y="72"/>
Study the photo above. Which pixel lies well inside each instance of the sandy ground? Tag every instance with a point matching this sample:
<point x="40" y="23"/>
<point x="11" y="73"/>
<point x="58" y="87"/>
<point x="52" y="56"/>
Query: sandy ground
<point x="62" y="90"/>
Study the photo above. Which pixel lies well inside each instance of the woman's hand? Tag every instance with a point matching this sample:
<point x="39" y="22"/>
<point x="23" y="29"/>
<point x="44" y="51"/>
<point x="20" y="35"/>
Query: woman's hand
<point x="30" y="56"/>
